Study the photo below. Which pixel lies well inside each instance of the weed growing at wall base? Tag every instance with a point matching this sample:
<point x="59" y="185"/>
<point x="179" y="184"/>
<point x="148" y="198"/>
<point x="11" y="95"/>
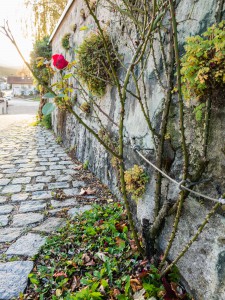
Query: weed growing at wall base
<point x="46" y="121"/>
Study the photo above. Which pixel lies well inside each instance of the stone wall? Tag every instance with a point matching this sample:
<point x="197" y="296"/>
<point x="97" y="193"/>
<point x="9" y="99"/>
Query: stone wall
<point x="203" y="266"/>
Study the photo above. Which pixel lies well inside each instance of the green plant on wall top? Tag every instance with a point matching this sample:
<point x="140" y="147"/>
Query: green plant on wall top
<point x="66" y="41"/>
<point x="203" y="65"/>
<point x="136" y="180"/>
<point x="93" y="67"/>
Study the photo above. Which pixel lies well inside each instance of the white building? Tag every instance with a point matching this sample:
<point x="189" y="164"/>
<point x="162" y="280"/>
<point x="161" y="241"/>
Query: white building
<point x="21" y="86"/>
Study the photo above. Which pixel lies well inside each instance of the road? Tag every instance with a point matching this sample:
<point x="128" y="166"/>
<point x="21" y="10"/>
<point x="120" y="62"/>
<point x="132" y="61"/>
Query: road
<point x="19" y="110"/>
<point x="33" y="169"/>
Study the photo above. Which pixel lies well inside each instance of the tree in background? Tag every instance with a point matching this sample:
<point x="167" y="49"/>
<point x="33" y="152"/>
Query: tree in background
<point x="39" y="61"/>
<point x="46" y="13"/>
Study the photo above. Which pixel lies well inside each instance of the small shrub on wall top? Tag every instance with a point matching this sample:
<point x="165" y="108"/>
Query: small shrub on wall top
<point x="66" y="41"/>
<point x="136" y="180"/>
<point x="92" y="65"/>
<point x="203" y="65"/>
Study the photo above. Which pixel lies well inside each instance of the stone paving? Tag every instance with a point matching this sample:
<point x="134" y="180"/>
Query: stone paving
<point x="33" y="167"/>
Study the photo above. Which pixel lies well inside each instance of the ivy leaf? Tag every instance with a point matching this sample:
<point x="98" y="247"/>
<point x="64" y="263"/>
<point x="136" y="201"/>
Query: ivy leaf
<point x="33" y="278"/>
<point x="96" y="295"/>
<point x="48" y="108"/>
<point x="49" y="95"/>
<point x="127" y="286"/>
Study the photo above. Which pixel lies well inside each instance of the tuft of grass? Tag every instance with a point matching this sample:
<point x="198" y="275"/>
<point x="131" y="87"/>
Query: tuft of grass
<point x="46" y="121"/>
<point x="93" y="68"/>
<point x="59" y="140"/>
<point x="136" y="180"/>
<point x="85" y="165"/>
<point x="85" y="107"/>
<point x="65" y="42"/>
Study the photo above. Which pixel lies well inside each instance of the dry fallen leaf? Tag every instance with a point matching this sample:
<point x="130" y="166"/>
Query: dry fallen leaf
<point x="58" y="292"/>
<point x="120" y="226"/>
<point x="144" y="262"/>
<point x="102" y="290"/>
<point x="87" y="191"/>
<point x="139" y="295"/>
<point x="119" y="241"/>
<point x="101" y="256"/>
<point x="78" y="167"/>
<point x="90" y="263"/>
<point x="135" y="284"/>
<point x="57" y="274"/>
<point x="75" y="283"/>
<point x="86" y="258"/>
<point x="109" y="200"/>
<point x="116" y="292"/>
<point x="143" y="273"/>
<point x="133" y="245"/>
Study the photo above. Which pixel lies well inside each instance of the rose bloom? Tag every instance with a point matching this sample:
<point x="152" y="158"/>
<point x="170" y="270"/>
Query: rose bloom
<point x="59" y="61"/>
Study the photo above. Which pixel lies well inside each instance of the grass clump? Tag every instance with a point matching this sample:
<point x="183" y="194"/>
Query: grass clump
<point x="65" y="42"/>
<point x="94" y="257"/>
<point x="136" y="179"/>
<point x="85" y="107"/>
<point x="93" y="67"/>
<point x="46" y="121"/>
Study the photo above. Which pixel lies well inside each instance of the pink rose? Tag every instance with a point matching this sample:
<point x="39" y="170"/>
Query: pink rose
<point x="59" y="61"/>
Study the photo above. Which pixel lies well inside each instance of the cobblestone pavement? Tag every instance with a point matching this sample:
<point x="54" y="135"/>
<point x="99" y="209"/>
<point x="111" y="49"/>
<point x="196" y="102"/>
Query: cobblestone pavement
<point x="33" y="167"/>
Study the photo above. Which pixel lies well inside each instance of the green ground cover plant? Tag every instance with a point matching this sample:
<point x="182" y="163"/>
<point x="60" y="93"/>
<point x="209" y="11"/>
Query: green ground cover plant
<point x="94" y="257"/>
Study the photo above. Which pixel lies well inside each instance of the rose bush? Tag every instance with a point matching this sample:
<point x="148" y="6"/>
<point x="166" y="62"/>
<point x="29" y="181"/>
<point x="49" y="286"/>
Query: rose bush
<point x="59" y="61"/>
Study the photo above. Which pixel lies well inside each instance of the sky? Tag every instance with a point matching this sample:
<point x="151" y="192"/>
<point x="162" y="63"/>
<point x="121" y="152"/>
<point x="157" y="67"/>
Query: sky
<point x="14" y="11"/>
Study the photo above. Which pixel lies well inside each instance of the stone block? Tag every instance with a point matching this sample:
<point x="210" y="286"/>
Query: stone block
<point x="50" y="225"/>
<point x="9" y="234"/>
<point x="22" y="220"/>
<point x="27" y="245"/>
<point x="5" y="209"/>
<point x="20" y="197"/>
<point x="34" y="187"/>
<point x="30" y="206"/>
<point x="11" y="189"/>
<point x="41" y="195"/>
<point x="13" y="278"/>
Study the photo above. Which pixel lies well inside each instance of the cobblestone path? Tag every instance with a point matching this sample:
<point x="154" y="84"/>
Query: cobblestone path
<point x="32" y="169"/>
